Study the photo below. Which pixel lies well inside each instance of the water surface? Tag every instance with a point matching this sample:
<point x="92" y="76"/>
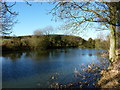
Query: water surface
<point x="39" y="69"/>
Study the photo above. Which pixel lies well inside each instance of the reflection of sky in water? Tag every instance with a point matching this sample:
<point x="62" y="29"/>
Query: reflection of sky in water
<point x="39" y="66"/>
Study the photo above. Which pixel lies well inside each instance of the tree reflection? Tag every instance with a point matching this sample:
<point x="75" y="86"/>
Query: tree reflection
<point x="37" y="54"/>
<point x="12" y="55"/>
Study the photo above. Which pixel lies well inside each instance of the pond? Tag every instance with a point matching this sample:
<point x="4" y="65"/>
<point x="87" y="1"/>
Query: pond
<point x="48" y="68"/>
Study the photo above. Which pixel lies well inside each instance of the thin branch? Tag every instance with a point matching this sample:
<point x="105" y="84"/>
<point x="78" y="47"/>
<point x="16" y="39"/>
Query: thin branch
<point x="28" y="3"/>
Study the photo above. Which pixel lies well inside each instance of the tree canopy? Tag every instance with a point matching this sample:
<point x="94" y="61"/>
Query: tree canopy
<point x="7" y="17"/>
<point x="76" y="13"/>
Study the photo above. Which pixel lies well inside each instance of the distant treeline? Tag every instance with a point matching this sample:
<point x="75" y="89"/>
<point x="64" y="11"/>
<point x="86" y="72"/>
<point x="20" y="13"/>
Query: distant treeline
<point x="35" y="42"/>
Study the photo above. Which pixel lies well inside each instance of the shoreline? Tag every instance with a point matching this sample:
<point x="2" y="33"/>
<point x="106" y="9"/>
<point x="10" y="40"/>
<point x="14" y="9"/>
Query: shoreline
<point x="111" y="78"/>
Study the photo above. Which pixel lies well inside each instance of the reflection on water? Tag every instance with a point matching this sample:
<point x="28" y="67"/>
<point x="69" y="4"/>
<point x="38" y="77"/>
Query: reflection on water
<point x="44" y="68"/>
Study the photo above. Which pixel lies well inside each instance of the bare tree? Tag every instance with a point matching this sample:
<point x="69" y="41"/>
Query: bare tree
<point x="7" y="17"/>
<point x="75" y="14"/>
<point x="44" y="31"/>
<point x="48" y="30"/>
<point x="38" y="32"/>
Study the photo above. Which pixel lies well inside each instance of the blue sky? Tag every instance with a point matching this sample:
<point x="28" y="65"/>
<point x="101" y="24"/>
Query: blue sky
<point x="32" y="17"/>
<point x="35" y="17"/>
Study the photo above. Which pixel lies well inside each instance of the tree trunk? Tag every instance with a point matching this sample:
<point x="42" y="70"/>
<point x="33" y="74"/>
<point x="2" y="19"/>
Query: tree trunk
<point x="112" y="43"/>
<point x="114" y="37"/>
<point x="118" y="28"/>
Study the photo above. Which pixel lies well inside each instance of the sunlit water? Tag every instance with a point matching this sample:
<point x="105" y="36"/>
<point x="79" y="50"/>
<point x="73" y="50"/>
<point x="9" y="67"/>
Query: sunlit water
<point x="39" y="69"/>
